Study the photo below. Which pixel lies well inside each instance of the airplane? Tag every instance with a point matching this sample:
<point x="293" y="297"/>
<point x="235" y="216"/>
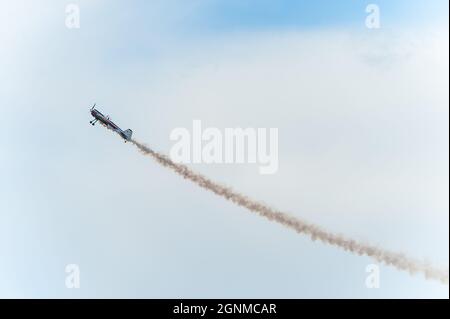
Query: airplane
<point x="98" y="116"/>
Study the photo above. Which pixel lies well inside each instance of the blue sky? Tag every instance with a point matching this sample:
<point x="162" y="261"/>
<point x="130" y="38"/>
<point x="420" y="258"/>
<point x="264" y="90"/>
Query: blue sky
<point x="235" y="15"/>
<point x="153" y="25"/>
<point x="363" y="128"/>
<point x="216" y="16"/>
<point x="156" y="28"/>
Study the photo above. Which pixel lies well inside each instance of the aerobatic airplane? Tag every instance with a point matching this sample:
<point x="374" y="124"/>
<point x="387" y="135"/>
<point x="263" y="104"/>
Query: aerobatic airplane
<point x="98" y="116"/>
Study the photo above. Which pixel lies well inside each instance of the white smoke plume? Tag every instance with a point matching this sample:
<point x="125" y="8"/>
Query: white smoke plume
<point x="398" y="260"/>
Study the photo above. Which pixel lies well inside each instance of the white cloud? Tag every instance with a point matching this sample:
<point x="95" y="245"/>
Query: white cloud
<point x="363" y="122"/>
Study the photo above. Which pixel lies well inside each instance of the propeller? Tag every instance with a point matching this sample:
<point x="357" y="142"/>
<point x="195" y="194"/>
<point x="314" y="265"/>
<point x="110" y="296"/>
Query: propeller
<point x="93" y="106"/>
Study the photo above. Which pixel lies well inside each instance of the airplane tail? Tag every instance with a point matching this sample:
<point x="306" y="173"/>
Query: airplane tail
<point x="127" y="134"/>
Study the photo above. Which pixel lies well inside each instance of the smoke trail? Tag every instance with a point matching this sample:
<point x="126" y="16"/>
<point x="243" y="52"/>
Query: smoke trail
<point x="395" y="259"/>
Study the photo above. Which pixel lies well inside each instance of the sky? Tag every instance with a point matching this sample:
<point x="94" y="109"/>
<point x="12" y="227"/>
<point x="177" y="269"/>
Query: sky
<point x="363" y="127"/>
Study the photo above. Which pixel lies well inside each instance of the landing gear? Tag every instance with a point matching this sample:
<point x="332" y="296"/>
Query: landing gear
<point x="93" y="122"/>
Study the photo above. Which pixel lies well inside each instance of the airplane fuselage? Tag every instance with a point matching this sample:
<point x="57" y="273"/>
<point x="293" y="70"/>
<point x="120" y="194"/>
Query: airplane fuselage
<point x="98" y="116"/>
<point x="104" y="119"/>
